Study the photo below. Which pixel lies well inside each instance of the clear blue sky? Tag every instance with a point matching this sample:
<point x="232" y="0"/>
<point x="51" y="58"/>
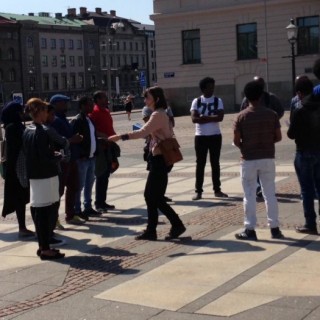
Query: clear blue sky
<point x="139" y="10"/>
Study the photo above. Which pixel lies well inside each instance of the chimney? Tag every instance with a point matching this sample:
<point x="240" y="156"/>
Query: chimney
<point x="72" y="12"/>
<point x="58" y="15"/>
<point x="98" y="10"/>
<point x="44" y="14"/>
<point x="113" y="13"/>
<point x="31" y="14"/>
<point x="83" y="11"/>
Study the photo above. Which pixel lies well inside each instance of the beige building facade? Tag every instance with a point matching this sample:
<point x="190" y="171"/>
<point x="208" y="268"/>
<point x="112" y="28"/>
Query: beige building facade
<point x="232" y="41"/>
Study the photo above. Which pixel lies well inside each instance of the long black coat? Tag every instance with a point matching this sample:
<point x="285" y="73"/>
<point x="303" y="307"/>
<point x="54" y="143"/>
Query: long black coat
<point x="14" y="194"/>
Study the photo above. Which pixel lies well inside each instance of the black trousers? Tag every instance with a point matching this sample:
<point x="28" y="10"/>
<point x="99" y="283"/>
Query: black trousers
<point x="203" y="144"/>
<point x="156" y="185"/>
<point x="43" y="218"/>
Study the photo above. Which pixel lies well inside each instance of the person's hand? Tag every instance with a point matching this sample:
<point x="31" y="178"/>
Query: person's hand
<point x="114" y="138"/>
<point x="77" y="138"/>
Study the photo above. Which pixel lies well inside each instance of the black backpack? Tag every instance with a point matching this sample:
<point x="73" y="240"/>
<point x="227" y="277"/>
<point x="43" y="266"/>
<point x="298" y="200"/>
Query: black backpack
<point x="215" y="105"/>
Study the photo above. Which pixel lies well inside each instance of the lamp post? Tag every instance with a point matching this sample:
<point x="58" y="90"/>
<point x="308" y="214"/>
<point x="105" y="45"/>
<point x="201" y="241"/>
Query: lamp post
<point x="292" y="31"/>
<point x="109" y="43"/>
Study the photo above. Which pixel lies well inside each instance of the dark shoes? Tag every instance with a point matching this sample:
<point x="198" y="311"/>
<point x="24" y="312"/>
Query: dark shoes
<point x="276" y="233"/>
<point x="56" y="255"/>
<point x="307" y="230"/>
<point x="197" y="196"/>
<point x="166" y="199"/>
<point x="91" y="213"/>
<point x="220" y="194"/>
<point x="147" y="235"/>
<point x="105" y="207"/>
<point x="175" y="232"/>
<point x="247" y="235"/>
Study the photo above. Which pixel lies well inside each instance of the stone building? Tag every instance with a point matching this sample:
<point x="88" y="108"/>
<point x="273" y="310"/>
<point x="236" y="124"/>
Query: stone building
<point x="10" y="62"/>
<point x="232" y="41"/>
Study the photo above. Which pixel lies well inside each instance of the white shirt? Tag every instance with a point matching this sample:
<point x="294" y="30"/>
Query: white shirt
<point x="207" y="109"/>
<point x="93" y="143"/>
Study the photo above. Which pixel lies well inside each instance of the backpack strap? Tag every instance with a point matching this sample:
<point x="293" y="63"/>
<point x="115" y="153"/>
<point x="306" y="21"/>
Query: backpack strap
<point x="199" y="102"/>
<point x="216" y="103"/>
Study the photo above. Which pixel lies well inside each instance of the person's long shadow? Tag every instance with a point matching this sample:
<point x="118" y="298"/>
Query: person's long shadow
<point x="101" y="260"/>
<point x="220" y="246"/>
<point x="203" y="203"/>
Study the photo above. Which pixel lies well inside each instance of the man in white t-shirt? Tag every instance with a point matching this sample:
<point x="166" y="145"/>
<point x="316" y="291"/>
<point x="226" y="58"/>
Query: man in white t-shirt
<point x="206" y="112"/>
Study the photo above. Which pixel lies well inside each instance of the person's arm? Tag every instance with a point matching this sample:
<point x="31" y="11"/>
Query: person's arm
<point x="276" y="105"/>
<point x="151" y="126"/>
<point x="277" y="135"/>
<point x="199" y="118"/>
<point x="237" y="138"/>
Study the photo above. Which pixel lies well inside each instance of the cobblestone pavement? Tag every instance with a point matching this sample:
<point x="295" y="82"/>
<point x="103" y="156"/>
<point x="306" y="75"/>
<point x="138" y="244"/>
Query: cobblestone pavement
<point x="103" y="254"/>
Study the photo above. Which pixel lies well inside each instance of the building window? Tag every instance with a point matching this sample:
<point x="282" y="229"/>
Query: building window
<point x="71" y="60"/>
<point x="90" y="44"/>
<point x="43" y="43"/>
<point x="104" y="61"/>
<point x="63" y="61"/>
<point x="53" y="43"/>
<point x="137" y="46"/>
<point x="191" y="46"/>
<point x="247" y="41"/>
<point x="55" y="82"/>
<point x="118" y="45"/>
<point x="32" y="83"/>
<point x="29" y="42"/>
<point x="72" y="81"/>
<point x="44" y="61"/>
<point x="54" y="61"/>
<point x="64" y="81"/>
<point x="12" y="75"/>
<point x="81" y="80"/>
<point x="79" y="44"/>
<point x="11" y="54"/>
<point x="118" y="61"/>
<point x="1" y="75"/>
<point x="45" y="80"/>
<point x="151" y="43"/>
<point x="142" y="46"/>
<point x="308" y="35"/>
<point x="143" y="61"/>
<point x="71" y="44"/>
<point x="131" y="46"/>
<point x="125" y="59"/>
<point x="0" y="54"/>
<point x="93" y="81"/>
<point x="31" y="61"/>
<point x="124" y="45"/>
<point x="80" y="61"/>
<point x="62" y="43"/>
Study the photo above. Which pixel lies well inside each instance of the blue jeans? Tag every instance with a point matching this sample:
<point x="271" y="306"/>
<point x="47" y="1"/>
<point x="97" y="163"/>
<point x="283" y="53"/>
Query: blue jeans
<point x="307" y="165"/>
<point x="86" y="168"/>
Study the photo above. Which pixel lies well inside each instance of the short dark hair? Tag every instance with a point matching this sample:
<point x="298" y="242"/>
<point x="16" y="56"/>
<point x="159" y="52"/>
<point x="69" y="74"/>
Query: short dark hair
<point x="205" y="81"/>
<point x="158" y="96"/>
<point x="97" y="95"/>
<point x="316" y="68"/>
<point x="83" y="101"/>
<point x="304" y="85"/>
<point x="253" y="90"/>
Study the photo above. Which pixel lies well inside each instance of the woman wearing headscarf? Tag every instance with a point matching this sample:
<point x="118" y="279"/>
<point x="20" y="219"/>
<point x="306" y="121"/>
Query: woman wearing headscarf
<point x="16" y="196"/>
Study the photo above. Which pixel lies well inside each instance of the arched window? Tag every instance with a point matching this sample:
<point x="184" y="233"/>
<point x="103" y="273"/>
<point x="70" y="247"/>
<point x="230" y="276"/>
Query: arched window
<point x="12" y="75"/>
<point x="11" y="54"/>
<point x="29" y="42"/>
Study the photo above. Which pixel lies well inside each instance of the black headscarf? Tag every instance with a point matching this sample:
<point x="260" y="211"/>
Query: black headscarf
<point x="11" y="113"/>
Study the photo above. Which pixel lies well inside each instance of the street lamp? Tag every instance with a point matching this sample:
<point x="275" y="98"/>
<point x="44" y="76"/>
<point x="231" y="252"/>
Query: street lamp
<point x="292" y="31"/>
<point x="115" y="26"/>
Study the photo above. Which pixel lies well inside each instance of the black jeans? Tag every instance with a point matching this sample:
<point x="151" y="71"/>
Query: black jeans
<point x="43" y="220"/>
<point x="203" y="144"/>
<point x="102" y="183"/>
<point x="156" y="185"/>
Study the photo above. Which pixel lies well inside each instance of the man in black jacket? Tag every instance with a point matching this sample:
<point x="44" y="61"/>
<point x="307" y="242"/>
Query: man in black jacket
<point x="85" y="156"/>
<point x="305" y="130"/>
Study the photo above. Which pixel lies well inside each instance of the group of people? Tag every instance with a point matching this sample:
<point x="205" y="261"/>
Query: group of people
<point x="53" y="156"/>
